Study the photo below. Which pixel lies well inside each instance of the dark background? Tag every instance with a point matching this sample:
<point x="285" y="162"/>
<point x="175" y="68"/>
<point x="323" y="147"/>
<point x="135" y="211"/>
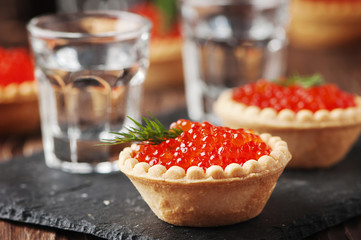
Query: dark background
<point x="14" y="14"/>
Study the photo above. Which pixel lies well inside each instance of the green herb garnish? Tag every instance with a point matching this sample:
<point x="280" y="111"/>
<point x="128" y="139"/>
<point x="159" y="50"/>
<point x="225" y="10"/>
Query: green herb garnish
<point x="154" y="132"/>
<point x="170" y="11"/>
<point x="305" y="82"/>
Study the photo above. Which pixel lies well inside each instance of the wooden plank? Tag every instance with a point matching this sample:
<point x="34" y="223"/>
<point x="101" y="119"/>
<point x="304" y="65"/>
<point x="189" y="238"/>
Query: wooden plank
<point x="66" y="235"/>
<point x="5" y="230"/>
<point x="17" y="231"/>
<point x="353" y="229"/>
<point x="337" y="233"/>
<point x="30" y="232"/>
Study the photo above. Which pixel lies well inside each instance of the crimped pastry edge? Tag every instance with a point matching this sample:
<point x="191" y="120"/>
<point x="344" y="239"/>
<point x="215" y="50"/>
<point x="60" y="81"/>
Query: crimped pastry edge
<point x="18" y="92"/>
<point x="165" y="49"/>
<point x="277" y="159"/>
<point x="228" y="109"/>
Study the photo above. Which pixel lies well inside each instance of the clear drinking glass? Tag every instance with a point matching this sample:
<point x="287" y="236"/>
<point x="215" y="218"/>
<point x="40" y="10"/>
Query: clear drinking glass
<point x="229" y="43"/>
<point x="90" y="68"/>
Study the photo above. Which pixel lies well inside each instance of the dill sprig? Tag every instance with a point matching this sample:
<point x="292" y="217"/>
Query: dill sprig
<point x="153" y="132"/>
<point x="305" y="82"/>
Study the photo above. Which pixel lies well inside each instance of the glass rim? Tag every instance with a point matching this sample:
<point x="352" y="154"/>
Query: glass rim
<point x="36" y="31"/>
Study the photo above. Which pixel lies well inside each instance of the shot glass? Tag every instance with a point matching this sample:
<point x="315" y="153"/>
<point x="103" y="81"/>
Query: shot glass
<point x="229" y="43"/>
<point x="90" y="68"/>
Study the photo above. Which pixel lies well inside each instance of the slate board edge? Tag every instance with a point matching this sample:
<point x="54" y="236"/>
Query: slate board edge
<point x="299" y="227"/>
<point x="290" y="229"/>
<point x="303" y="227"/>
<point x="22" y="216"/>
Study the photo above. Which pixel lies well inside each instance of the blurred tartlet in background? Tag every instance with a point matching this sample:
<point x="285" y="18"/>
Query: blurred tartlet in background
<point x="165" y="58"/>
<point x="19" y="112"/>
<point x="324" y="23"/>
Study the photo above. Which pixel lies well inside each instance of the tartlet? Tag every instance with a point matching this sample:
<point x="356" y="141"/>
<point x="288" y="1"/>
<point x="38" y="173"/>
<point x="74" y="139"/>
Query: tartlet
<point x="165" y="63"/>
<point x="206" y="195"/>
<point x="18" y="92"/>
<point x="165" y="50"/>
<point x="324" y="23"/>
<point x="316" y="138"/>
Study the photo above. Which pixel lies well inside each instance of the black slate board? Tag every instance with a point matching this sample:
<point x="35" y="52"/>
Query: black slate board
<point x="108" y="206"/>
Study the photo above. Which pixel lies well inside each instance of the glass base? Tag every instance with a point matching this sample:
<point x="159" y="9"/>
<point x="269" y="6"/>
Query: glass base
<point x="82" y="168"/>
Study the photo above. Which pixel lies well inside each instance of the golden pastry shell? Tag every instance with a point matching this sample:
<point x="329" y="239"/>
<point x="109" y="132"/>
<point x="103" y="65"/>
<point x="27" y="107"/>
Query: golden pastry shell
<point x="326" y="11"/>
<point x="212" y="198"/>
<point x="166" y="66"/>
<point x="165" y="49"/>
<point x="19" y="103"/>
<point x="286" y="118"/>
<point x="316" y="140"/>
<point x="324" y="24"/>
<point x="25" y="91"/>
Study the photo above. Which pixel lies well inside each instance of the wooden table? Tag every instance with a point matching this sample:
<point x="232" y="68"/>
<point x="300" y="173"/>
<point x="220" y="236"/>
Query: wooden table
<point x="342" y="66"/>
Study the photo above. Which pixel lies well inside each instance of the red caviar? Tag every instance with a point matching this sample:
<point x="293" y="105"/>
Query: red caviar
<point x="161" y="28"/>
<point x="16" y="66"/>
<point x="204" y="145"/>
<point x="265" y="94"/>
